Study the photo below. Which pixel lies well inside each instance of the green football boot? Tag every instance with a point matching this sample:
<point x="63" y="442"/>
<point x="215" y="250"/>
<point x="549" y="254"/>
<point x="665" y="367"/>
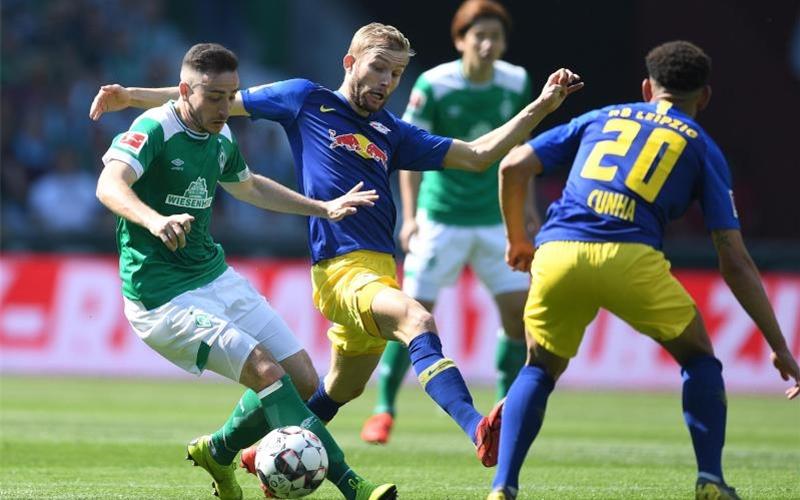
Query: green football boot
<point x="710" y="490"/>
<point x="225" y="485"/>
<point x="368" y="491"/>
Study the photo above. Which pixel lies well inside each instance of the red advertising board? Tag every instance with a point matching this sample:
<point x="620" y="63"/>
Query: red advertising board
<point x="63" y="315"/>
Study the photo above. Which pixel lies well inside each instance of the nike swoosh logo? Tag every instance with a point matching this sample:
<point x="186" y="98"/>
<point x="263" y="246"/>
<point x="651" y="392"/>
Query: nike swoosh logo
<point x="325" y="109"/>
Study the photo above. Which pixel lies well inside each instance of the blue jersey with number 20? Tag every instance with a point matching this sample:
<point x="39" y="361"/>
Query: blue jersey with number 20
<point x="635" y="167"/>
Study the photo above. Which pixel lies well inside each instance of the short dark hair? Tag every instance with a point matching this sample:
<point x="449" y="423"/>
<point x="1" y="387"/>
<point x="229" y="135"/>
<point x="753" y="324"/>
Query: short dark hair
<point x="473" y="10"/>
<point x="210" y="58"/>
<point x="679" y="65"/>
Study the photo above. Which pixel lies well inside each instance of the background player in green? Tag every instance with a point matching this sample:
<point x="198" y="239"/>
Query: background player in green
<point x="180" y="296"/>
<point x="635" y="167"/>
<point x="452" y="218"/>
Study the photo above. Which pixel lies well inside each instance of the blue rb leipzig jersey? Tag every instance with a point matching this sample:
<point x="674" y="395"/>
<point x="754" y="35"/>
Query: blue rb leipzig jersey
<point x="334" y="148"/>
<point x="635" y="167"/>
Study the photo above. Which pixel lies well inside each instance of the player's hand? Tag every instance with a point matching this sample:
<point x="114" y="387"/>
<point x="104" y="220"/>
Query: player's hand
<point x="519" y="255"/>
<point x="339" y="208"/>
<point x="786" y="365"/>
<point x="172" y="230"/>
<point x="407" y="231"/>
<point x="559" y="85"/>
<point x="109" y="98"/>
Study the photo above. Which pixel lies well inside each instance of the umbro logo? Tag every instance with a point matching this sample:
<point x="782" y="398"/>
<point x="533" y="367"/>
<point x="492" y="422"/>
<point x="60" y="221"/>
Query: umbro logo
<point x="178" y="164"/>
<point x="325" y="109"/>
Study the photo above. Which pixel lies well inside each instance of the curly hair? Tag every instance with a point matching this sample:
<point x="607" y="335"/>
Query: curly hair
<point x="679" y="65"/>
<point x="210" y="58"/>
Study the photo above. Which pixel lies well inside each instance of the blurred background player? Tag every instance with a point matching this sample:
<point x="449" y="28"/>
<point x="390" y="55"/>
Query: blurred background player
<point x="347" y="134"/>
<point x="180" y="296"/>
<point x="451" y="218"/>
<point x="634" y="167"/>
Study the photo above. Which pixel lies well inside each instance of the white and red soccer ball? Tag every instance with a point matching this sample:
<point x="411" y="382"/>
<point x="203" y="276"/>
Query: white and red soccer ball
<point x="291" y="462"/>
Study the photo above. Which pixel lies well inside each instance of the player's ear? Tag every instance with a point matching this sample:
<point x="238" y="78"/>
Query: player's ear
<point x="348" y="62"/>
<point x="705" y="98"/>
<point x="647" y="90"/>
<point x="459" y="43"/>
<point x="184" y="89"/>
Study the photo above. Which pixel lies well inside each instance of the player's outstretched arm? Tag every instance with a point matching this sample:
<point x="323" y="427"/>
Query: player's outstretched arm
<point x="742" y="277"/>
<point x="265" y="193"/>
<point x="516" y="171"/>
<point x="479" y="154"/>
<point x="115" y="97"/>
<point x="114" y="191"/>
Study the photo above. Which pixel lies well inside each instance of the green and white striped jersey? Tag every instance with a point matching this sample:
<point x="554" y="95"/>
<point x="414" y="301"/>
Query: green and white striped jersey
<point x="178" y="170"/>
<point x="445" y="103"/>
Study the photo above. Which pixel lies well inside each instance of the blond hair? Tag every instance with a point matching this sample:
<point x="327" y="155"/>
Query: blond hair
<point x="377" y="35"/>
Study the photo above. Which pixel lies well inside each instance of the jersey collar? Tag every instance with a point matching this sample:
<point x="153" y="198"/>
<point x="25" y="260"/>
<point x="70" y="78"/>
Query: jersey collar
<point x="201" y="136"/>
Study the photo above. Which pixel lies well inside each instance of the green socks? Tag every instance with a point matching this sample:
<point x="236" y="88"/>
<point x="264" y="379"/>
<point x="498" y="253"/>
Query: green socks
<point x="391" y="371"/>
<point x="245" y="426"/>
<point x="282" y="406"/>
<point x="510" y="357"/>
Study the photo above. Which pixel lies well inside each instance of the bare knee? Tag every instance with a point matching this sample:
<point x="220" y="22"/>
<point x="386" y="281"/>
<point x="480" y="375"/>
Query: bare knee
<point x="551" y="363"/>
<point x="260" y="370"/>
<point x="306" y="383"/>
<point x="304" y="375"/>
<point x="692" y="343"/>
<point x="417" y="320"/>
<point x="342" y="391"/>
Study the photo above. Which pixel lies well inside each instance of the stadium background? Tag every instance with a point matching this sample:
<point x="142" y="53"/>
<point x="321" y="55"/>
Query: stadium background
<point x="60" y="310"/>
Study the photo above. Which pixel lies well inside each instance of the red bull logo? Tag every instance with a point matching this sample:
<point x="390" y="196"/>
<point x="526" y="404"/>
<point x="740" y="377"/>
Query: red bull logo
<point x="360" y="145"/>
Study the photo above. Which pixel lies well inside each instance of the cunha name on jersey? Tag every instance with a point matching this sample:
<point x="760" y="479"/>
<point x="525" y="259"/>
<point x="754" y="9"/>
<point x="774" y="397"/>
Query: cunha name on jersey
<point x="657" y="118"/>
<point x="195" y="196"/>
<point x="614" y="204"/>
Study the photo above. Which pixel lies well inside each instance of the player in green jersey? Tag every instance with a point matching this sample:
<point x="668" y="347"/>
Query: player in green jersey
<point x="452" y="218"/>
<point x="180" y="296"/>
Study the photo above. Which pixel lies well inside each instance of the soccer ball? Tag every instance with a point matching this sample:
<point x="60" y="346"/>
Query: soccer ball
<point x="291" y="462"/>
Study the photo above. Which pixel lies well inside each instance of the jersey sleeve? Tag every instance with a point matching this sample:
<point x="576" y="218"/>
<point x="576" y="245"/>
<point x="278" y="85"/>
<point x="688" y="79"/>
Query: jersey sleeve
<point x="716" y="194"/>
<point x="235" y="169"/>
<point x="137" y="147"/>
<point x="419" y="149"/>
<point x="557" y="147"/>
<point x="279" y="101"/>
<point x="420" y="108"/>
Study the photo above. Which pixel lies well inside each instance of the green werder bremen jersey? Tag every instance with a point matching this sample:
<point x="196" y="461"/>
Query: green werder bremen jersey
<point x="445" y="103"/>
<point x="178" y="170"/>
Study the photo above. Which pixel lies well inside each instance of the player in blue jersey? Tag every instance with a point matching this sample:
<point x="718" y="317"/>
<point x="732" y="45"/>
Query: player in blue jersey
<point x="345" y="135"/>
<point x="634" y="167"/>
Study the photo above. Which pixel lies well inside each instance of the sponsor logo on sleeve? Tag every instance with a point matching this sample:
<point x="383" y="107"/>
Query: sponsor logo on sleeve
<point x="133" y="141"/>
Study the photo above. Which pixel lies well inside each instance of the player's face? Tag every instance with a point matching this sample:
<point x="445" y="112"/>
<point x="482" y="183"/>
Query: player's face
<point x="484" y="42"/>
<point x="209" y="98"/>
<point x="373" y="77"/>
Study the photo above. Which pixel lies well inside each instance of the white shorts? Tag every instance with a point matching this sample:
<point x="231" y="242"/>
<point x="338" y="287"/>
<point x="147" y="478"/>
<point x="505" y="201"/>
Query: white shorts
<point x="439" y="252"/>
<point x="213" y="327"/>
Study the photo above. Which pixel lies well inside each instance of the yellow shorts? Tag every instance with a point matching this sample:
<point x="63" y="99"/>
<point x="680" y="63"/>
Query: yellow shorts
<point x="343" y="288"/>
<point x="571" y="280"/>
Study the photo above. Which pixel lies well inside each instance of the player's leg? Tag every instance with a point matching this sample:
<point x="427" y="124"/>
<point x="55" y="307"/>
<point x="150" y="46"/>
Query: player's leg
<point x="561" y="303"/>
<point x="510" y="290"/>
<point x="247" y="423"/>
<point x="402" y="318"/>
<point x="347" y="376"/>
<point x="511" y="351"/>
<point x="656" y="304"/>
<point x="425" y="271"/>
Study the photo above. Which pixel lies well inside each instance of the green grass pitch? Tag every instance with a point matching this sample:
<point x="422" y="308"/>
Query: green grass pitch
<point x="98" y="439"/>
